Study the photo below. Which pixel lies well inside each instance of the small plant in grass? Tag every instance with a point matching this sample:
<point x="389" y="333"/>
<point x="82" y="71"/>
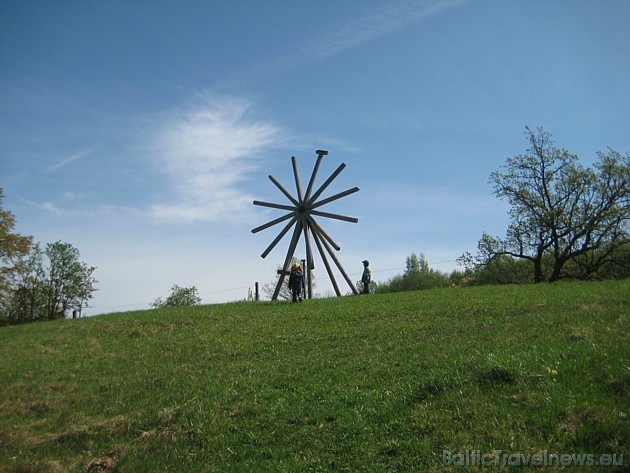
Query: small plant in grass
<point x="497" y="369"/>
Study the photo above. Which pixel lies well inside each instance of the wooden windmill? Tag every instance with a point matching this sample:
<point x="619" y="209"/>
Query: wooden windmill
<point x="301" y="216"/>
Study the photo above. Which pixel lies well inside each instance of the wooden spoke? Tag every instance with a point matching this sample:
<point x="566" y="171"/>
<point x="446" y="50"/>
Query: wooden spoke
<point x="341" y="270"/>
<point x="321" y="231"/>
<point x="335" y="216"/>
<point x="322" y="253"/>
<point x="284" y="191"/>
<point x="274" y="206"/>
<point x="313" y="176"/>
<point x="287" y="261"/>
<point x="334" y="197"/>
<point x="327" y="183"/>
<point x="296" y="175"/>
<point x="278" y="238"/>
<point x="273" y="222"/>
<point x="309" y="257"/>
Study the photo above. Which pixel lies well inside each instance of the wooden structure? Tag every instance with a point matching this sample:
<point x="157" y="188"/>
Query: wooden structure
<point x="301" y="216"/>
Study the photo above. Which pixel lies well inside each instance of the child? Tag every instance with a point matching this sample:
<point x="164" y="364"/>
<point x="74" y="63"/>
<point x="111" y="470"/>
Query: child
<point x="366" y="278"/>
<point x="295" y="282"/>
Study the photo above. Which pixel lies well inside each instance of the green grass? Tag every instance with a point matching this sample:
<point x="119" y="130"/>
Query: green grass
<point x="372" y="383"/>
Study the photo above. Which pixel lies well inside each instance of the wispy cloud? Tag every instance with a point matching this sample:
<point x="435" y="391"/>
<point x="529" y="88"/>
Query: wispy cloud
<point x="82" y="211"/>
<point x="74" y="157"/>
<point x="206" y="152"/>
<point x="379" y="22"/>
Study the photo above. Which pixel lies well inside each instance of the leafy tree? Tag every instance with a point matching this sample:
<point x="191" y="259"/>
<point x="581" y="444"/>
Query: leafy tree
<point x="69" y="282"/>
<point x="417" y="276"/>
<point x="32" y="290"/>
<point x="12" y="247"/>
<point x="180" y="296"/>
<point x="416" y="264"/>
<point x="81" y="287"/>
<point x="559" y="208"/>
<point x="488" y="268"/>
<point x="27" y="302"/>
<point x="49" y="283"/>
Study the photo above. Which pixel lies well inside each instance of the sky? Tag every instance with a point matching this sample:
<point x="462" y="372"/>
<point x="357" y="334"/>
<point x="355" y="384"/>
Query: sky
<point x="142" y="131"/>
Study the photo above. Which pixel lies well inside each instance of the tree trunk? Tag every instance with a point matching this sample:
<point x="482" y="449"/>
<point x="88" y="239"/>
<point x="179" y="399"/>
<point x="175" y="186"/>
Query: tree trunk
<point x="538" y="272"/>
<point x="557" y="269"/>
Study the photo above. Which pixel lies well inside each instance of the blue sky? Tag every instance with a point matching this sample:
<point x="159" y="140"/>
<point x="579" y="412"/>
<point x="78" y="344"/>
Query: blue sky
<point x="141" y="131"/>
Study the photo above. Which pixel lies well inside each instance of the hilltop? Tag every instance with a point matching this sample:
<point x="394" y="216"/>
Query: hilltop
<point x="370" y="383"/>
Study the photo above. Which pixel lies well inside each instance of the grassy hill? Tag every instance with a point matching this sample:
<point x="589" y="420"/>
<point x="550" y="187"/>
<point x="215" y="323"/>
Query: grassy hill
<point x="370" y="383"/>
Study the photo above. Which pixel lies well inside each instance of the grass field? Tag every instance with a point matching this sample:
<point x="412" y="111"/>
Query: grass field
<point x="371" y="383"/>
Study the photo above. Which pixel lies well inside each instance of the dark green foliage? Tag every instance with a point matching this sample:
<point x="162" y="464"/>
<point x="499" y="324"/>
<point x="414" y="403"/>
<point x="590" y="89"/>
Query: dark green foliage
<point x="13" y="247"/>
<point x="38" y="284"/>
<point x="418" y="276"/>
<point x="604" y="263"/>
<point x="48" y="284"/>
<point x="414" y="282"/>
<point x="179" y="296"/>
<point x="504" y="269"/>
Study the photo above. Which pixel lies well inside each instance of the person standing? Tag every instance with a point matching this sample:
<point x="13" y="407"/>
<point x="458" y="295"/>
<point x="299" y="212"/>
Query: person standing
<point x="295" y="282"/>
<point x="366" y="278"/>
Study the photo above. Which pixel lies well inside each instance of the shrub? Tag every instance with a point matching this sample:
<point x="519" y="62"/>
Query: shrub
<point x="415" y="281"/>
<point x="180" y="296"/>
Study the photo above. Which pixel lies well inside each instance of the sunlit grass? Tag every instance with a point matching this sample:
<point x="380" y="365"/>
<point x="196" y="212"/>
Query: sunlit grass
<point x="370" y="383"/>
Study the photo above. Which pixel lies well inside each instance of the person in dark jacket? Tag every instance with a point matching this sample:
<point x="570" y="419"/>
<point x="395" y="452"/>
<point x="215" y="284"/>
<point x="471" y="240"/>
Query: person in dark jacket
<point x="295" y="282"/>
<point x="366" y="278"/>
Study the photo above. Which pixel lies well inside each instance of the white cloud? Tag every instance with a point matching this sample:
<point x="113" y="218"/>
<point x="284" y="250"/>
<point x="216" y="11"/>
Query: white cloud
<point x="51" y="207"/>
<point x="387" y="19"/>
<point x="76" y="156"/>
<point x="81" y="212"/>
<point x="206" y="152"/>
<point x="379" y="22"/>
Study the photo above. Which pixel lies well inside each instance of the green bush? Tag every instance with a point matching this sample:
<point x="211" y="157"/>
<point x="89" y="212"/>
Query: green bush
<point x="180" y="296"/>
<point x="415" y="282"/>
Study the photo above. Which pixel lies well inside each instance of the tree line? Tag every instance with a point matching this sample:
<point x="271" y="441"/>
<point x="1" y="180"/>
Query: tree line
<point x="40" y="283"/>
<point x="567" y="221"/>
